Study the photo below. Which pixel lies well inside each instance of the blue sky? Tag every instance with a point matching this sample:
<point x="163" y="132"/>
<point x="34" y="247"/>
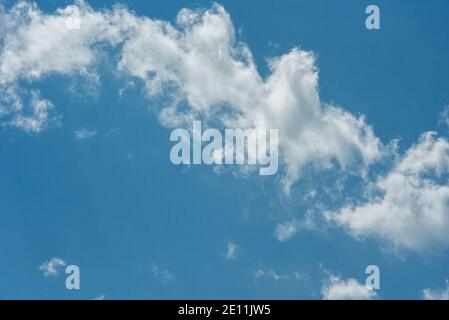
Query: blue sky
<point x="139" y="227"/>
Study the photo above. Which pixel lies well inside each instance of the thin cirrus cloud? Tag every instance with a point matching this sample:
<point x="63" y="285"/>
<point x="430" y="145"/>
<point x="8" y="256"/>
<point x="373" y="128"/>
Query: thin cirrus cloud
<point x="205" y="73"/>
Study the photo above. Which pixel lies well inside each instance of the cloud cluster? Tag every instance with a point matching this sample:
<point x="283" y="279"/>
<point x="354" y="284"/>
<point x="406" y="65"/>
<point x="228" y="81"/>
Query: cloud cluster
<point x="196" y="68"/>
<point x="34" y="45"/>
<point x="199" y="68"/>
<point x="212" y="76"/>
<point x="409" y="205"/>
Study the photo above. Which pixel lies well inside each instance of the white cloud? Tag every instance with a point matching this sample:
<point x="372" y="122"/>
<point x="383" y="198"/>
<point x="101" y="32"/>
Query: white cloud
<point x="409" y="207"/>
<point x="336" y="288"/>
<point x="286" y="230"/>
<point x="100" y="297"/>
<point x="83" y="134"/>
<point x="52" y="267"/>
<point x="201" y="70"/>
<point x="26" y="110"/>
<point x="38" y="119"/>
<point x="163" y="275"/>
<point x="36" y="44"/>
<point x="231" y="253"/>
<point x="10" y="101"/>
<point x="436" y="294"/>
<point x="201" y="62"/>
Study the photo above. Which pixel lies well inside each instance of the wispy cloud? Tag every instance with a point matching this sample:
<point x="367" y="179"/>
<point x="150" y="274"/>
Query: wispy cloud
<point x="232" y="250"/>
<point x="83" y="134"/>
<point x="202" y="49"/>
<point x="273" y="275"/>
<point x="27" y="111"/>
<point x="443" y="118"/>
<point x="51" y="268"/>
<point x="162" y="275"/>
<point x="436" y="294"/>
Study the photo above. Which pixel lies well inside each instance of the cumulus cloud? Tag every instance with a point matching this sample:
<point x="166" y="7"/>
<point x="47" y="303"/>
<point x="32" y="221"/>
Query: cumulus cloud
<point x="336" y="288"/>
<point x="196" y="68"/>
<point x="200" y="62"/>
<point x="410" y="204"/>
<point x="201" y="70"/>
<point x="51" y="268"/>
<point x="436" y="294"/>
<point x="36" y="44"/>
